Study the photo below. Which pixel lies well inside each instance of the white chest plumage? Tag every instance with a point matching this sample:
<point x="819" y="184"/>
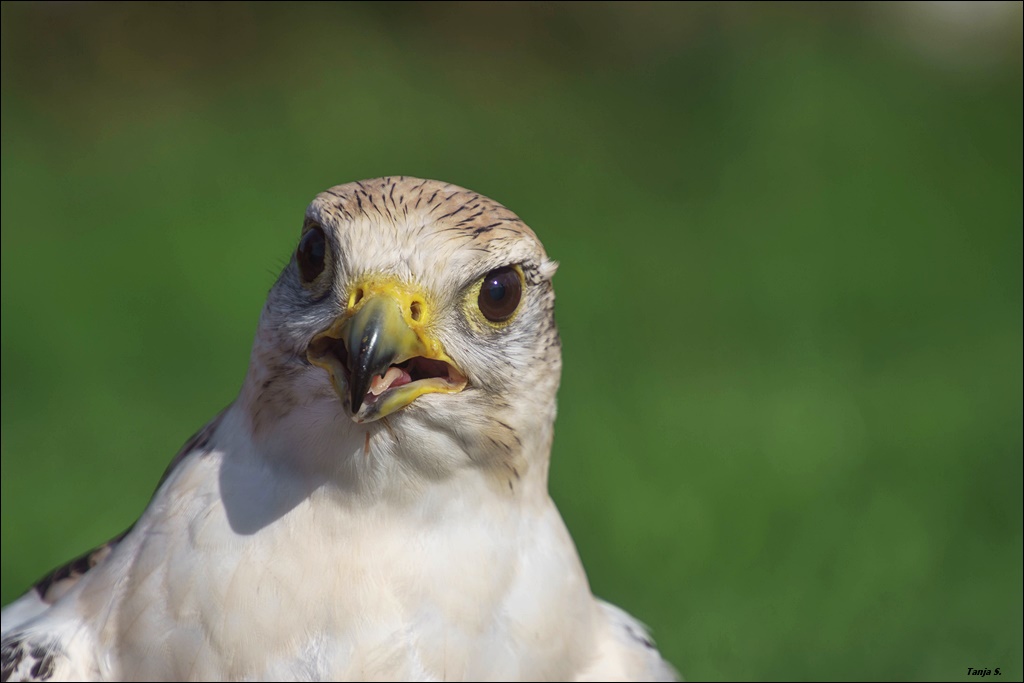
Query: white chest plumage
<point x="457" y="588"/>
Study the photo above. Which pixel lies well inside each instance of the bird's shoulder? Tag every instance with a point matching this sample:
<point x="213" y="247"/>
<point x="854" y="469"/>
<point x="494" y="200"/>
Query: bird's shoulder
<point x="625" y="650"/>
<point x="40" y="639"/>
<point x="57" y="648"/>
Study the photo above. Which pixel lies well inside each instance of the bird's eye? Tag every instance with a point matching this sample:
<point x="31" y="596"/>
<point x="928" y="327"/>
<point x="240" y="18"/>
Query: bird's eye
<point x="311" y="253"/>
<point x="500" y="293"/>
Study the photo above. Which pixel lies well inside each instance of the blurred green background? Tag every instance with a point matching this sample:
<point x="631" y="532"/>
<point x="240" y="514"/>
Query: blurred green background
<point x="790" y="425"/>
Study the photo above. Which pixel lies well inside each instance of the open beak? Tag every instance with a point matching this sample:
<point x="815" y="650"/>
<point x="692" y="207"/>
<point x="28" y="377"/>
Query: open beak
<point x="380" y="354"/>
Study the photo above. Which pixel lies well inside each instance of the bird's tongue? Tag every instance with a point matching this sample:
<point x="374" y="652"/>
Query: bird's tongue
<point x="394" y="377"/>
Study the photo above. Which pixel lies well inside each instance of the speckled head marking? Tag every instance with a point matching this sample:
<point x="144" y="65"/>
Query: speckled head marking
<point x="412" y="227"/>
<point x="423" y="247"/>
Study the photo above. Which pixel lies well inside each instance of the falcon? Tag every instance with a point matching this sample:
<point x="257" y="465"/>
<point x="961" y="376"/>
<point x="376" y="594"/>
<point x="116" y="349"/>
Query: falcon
<point x="374" y="503"/>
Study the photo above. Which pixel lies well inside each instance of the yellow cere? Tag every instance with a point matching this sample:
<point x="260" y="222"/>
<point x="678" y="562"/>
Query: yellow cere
<point x="413" y="306"/>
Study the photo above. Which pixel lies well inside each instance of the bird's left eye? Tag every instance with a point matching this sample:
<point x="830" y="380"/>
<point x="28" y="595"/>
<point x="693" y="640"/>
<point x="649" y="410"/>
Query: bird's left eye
<point x="500" y="293"/>
<point x="311" y="253"/>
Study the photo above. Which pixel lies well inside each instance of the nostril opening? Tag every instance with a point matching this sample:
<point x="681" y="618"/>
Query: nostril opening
<point x="356" y="297"/>
<point x="416" y="310"/>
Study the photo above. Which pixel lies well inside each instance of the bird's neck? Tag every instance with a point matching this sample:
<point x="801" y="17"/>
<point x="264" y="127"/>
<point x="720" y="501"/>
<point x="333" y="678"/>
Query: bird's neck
<point x="400" y="463"/>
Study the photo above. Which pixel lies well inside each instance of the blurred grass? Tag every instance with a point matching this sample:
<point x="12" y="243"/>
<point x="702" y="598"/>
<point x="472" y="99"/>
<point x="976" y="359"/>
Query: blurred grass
<point x="803" y="225"/>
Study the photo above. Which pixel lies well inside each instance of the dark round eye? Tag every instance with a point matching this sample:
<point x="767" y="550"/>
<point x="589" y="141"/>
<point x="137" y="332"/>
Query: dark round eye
<point x="500" y="293"/>
<point x="311" y="252"/>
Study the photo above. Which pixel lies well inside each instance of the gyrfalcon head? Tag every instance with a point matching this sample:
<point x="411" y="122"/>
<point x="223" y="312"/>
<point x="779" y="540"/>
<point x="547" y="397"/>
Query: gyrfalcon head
<point x="412" y="328"/>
